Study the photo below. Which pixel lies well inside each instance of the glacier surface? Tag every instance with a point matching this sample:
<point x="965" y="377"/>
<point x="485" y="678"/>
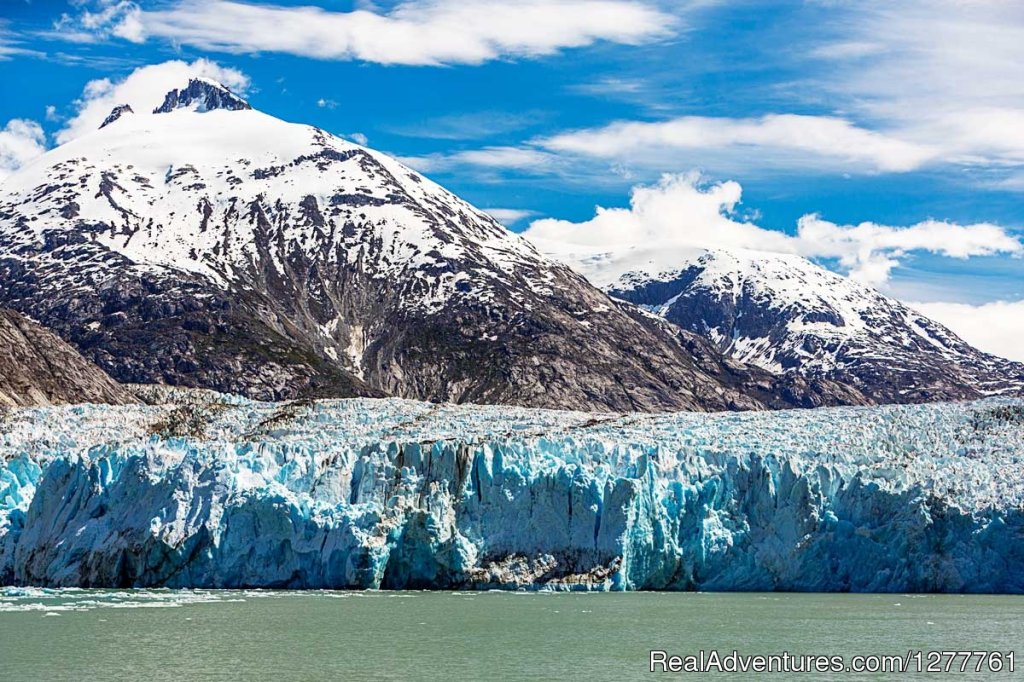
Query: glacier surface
<point x="206" y="490"/>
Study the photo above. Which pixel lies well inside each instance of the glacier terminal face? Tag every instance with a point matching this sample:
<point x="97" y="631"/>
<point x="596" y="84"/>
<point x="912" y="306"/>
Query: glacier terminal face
<point x="207" y="490"/>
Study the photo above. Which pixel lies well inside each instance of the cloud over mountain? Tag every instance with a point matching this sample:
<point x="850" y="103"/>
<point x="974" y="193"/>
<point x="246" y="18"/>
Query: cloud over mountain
<point x="682" y="213"/>
<point x="143" y="89"/>
<point x="20" y="141"/>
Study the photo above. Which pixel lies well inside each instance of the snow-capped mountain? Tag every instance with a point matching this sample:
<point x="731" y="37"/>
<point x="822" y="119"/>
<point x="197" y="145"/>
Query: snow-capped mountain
<point x="790" y="316"/>
<point x="208" y="244"/>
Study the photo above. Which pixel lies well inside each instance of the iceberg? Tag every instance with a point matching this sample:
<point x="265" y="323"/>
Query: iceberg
<point x="204" y="490"/>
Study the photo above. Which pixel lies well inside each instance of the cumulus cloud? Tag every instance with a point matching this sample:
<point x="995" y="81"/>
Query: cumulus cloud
<point x="870" y="251"/>
<point x="415" y="32"/>
<point x="668" y="223"/>
<point x="996" y="327"/>
<point x="143" y="89"/>
<point x="21" y="141"/>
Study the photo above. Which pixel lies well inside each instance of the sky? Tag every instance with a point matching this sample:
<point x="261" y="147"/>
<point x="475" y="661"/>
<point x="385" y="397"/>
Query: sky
<point x="882" y="140"/>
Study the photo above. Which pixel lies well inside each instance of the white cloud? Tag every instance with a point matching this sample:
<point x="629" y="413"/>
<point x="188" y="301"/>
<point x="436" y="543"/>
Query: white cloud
<point x="870" y="251"/>
<point x="785" y="138"/>
<point x="21" y="141"/>
<point x="851" y="49"/>
<point x="669" y="222"/>
<point x="975" y="135"/>
<point x="415" y="32"/>
<point x="143" y="89"/>
<point x="508" y="158"/>
<point x="502" y="157"/>
<point x="510" y="216"/>
<point x="927" y="54"/>
<point x="10" y="44"/>
<point x="940" y="73"/>
<point x="326" y="103"/>
<point x="359" y="139"/>
<point x="1014" y="182"/>
<point x="996" y="327"/>
<point x="779" y="141"/>
<point x="907" y="85"/>
<point x="610" y="86"/>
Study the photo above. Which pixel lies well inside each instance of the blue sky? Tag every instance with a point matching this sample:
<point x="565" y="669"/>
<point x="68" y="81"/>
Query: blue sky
<point x="901" y="115"/>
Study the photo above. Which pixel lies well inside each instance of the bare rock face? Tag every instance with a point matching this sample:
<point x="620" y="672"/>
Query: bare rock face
<point x="38" y="368"/>
<point x="202" y="95"/>
<point x="116" y="113"/>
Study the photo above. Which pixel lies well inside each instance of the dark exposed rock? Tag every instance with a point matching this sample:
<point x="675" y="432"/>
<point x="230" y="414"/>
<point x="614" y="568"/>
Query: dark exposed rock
<point x="204" y="96"/>
<point x="116" y="113"/>
<point x="807" y="324"/>
<point x="38" y="368"/>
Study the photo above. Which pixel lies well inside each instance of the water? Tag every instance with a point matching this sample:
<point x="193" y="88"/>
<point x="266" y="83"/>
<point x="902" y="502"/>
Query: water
<point x="244" y="635"/>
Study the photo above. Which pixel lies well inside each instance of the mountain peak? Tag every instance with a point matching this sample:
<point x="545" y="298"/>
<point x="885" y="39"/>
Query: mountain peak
<point x="289" y="256"/>
<point x="787" y="315"/>
<point x="202" y="94"/>
<point x="116" y="113"/>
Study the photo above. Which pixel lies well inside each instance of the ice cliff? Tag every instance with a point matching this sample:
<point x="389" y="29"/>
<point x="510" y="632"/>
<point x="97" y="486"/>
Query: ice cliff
<point x="204" y="490"/>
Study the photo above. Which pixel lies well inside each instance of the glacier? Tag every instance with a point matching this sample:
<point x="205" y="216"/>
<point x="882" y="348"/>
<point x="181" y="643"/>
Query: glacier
<point x="198" y="489"/>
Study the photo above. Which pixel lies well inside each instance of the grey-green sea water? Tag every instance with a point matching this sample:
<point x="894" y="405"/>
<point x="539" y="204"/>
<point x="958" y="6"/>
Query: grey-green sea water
<point x="247" y="635"/>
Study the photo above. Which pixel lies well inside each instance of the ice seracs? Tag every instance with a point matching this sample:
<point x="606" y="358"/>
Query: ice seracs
<point x="213" y="491"/>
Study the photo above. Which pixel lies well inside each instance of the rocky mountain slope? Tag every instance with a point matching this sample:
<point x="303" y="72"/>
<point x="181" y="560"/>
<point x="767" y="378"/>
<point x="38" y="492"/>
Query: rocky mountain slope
<point x="208" y="244"/>
<point x="790" y="316"/>
<point x="38" y="368"/>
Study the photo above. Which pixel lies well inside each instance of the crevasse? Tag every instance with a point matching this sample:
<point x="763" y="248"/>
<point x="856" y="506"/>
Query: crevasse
<point x="212" y="491"/>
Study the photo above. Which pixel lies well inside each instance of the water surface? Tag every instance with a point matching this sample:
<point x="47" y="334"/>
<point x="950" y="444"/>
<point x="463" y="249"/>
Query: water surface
<point x="236" y="635"/>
